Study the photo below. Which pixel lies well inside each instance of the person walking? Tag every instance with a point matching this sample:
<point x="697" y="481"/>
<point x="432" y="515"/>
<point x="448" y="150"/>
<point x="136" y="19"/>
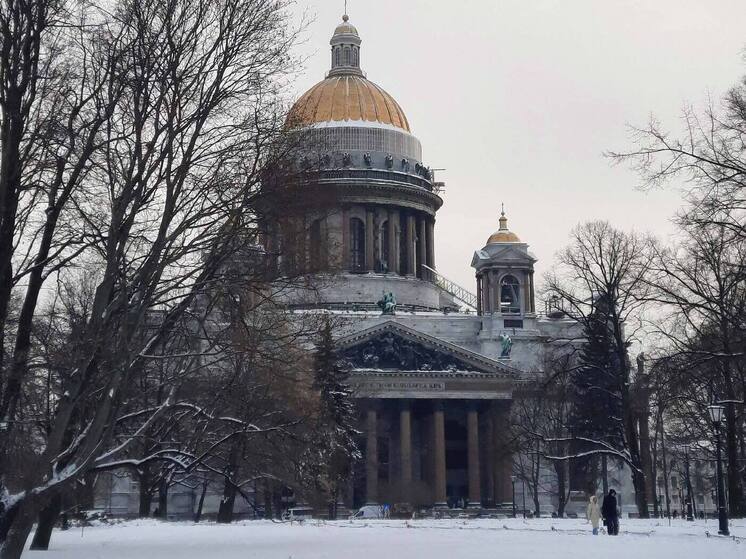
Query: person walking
<point x="610" y="513"/>
<point x="593" y="514"/>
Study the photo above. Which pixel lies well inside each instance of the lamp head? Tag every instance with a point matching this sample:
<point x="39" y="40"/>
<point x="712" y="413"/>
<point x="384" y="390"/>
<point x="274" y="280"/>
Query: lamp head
<point x="716" y="413"/>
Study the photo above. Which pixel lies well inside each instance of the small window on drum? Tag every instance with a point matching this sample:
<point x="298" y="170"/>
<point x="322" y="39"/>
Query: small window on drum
<point x="510" y="295"/>
<point x="357" y="245"/>
<point x="347" y="57"/>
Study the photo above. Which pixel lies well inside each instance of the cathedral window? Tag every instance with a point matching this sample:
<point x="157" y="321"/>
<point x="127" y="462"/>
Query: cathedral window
<point x="357" y="245"/>
<point x="510" y="295"/>
<point x="336" y="57"/>
<point x="347" y="57"/>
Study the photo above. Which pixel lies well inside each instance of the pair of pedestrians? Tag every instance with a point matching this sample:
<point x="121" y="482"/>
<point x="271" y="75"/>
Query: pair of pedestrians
<point x="609" y="512"/>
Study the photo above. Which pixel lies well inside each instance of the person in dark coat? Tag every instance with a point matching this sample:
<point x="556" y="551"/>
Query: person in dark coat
<point x="610" y="513"/>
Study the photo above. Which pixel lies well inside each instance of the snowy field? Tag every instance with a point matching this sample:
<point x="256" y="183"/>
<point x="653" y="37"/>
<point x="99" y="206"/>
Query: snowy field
<point x="391" y="539"/>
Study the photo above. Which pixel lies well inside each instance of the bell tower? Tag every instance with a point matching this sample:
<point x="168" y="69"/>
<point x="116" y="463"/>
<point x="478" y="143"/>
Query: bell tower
<point x="505" y="278"/>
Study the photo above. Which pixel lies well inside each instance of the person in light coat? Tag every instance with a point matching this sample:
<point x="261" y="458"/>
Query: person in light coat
<point x="593" y="514"/>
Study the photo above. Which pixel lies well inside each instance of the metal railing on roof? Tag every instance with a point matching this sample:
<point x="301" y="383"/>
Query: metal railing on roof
<point x="450" y="287"/>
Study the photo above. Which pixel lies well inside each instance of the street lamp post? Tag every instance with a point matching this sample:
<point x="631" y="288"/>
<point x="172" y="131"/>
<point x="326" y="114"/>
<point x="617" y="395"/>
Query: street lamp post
<point x="689" y="502"/>
<point x="716" y="415"/>
<point x="512" y="481"/>
<point x="523" y="490"/>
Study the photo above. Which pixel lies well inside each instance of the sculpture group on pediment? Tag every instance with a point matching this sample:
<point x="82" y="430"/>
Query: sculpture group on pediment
<point x="389" y="351"/>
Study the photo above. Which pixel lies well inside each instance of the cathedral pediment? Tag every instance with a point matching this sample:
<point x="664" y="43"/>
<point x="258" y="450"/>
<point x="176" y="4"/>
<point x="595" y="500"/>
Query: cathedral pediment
<point x="394" y="347"/>
<point x="493" y="254"/>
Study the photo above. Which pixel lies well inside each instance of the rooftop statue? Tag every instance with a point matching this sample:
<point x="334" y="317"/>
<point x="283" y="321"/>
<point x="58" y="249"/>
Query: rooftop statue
<point x="387" y="304"/>
<point x="507" y="345"/>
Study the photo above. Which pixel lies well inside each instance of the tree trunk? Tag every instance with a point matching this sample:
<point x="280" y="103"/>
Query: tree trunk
<point x="146" y="497"/>
<point x="665" y="473"/>
<point x="163" y="499"/>
<point x="633" y="447"/>
<point x="225" y="511"/>
<point x="736" y="505"/>
<point x="605" y="474"/>
<point x="559" y="468"/>
<point x="47" y="519"/>
<point x="198" y="514"/>
<point x="18" y="531"/>
<point x="268" y="513"/>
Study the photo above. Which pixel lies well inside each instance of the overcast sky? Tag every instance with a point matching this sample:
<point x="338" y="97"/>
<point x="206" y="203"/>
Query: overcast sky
<point x="519" y="99"/>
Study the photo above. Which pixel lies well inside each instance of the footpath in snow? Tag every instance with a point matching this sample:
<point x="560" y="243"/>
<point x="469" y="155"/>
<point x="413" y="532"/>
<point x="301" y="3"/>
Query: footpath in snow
<point x="393" y="539"/>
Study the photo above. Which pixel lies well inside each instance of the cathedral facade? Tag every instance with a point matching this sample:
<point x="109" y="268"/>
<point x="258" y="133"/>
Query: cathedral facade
<point x="435" y="366"/>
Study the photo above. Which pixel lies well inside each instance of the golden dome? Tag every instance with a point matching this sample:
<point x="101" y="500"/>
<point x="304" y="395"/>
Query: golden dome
<point x="503" y="234"/>
<point x="346" y="98"/>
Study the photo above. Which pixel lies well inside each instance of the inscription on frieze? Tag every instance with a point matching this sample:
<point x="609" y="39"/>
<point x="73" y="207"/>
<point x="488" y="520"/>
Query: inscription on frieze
<point x="378" y="386"/>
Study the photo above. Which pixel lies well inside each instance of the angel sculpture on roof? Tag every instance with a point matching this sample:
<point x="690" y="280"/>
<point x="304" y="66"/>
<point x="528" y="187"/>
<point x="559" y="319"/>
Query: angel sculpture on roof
<point x="506" y="344"/>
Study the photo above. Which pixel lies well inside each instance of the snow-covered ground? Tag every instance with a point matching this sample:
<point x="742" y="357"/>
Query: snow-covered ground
<point x="392" y="539"/>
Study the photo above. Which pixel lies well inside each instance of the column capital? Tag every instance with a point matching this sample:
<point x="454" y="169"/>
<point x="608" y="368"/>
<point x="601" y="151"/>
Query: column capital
<point x="405" y="404"/>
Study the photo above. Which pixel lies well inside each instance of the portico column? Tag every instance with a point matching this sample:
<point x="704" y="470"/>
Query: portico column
<point x="405" y="440"/>
<point x="533" y="294"/>
<point x="489" y="467"/>
<point x="439" y="449"/>
<point x="370" y="245"/>
<point x="503" y="466"/>
<point x="371" y="459"/>
<point x="472" y="426"/>
<point x="411" y="252"/>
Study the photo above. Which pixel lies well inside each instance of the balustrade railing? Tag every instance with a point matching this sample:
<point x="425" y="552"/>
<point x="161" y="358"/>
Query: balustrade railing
<point x="451" y="287"/>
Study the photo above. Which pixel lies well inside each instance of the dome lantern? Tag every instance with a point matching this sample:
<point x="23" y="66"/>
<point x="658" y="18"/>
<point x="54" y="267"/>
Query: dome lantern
<point x="345" y="50"/>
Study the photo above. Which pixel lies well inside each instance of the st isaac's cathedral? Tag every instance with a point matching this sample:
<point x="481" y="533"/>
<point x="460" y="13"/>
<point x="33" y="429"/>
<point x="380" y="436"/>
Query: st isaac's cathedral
<point x="434" y="365"/>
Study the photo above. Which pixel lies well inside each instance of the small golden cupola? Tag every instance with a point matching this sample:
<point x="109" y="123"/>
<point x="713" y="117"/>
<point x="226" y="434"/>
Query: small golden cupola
<point x="505" y="277"/>
<point x="503" y="234"/>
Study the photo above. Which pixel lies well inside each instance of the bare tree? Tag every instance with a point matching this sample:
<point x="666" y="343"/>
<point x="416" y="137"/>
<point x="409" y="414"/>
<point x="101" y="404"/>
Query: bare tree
<point x="188" y="116"/>
<point x="700" y="287"/>
<point x="602" y="278"/>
